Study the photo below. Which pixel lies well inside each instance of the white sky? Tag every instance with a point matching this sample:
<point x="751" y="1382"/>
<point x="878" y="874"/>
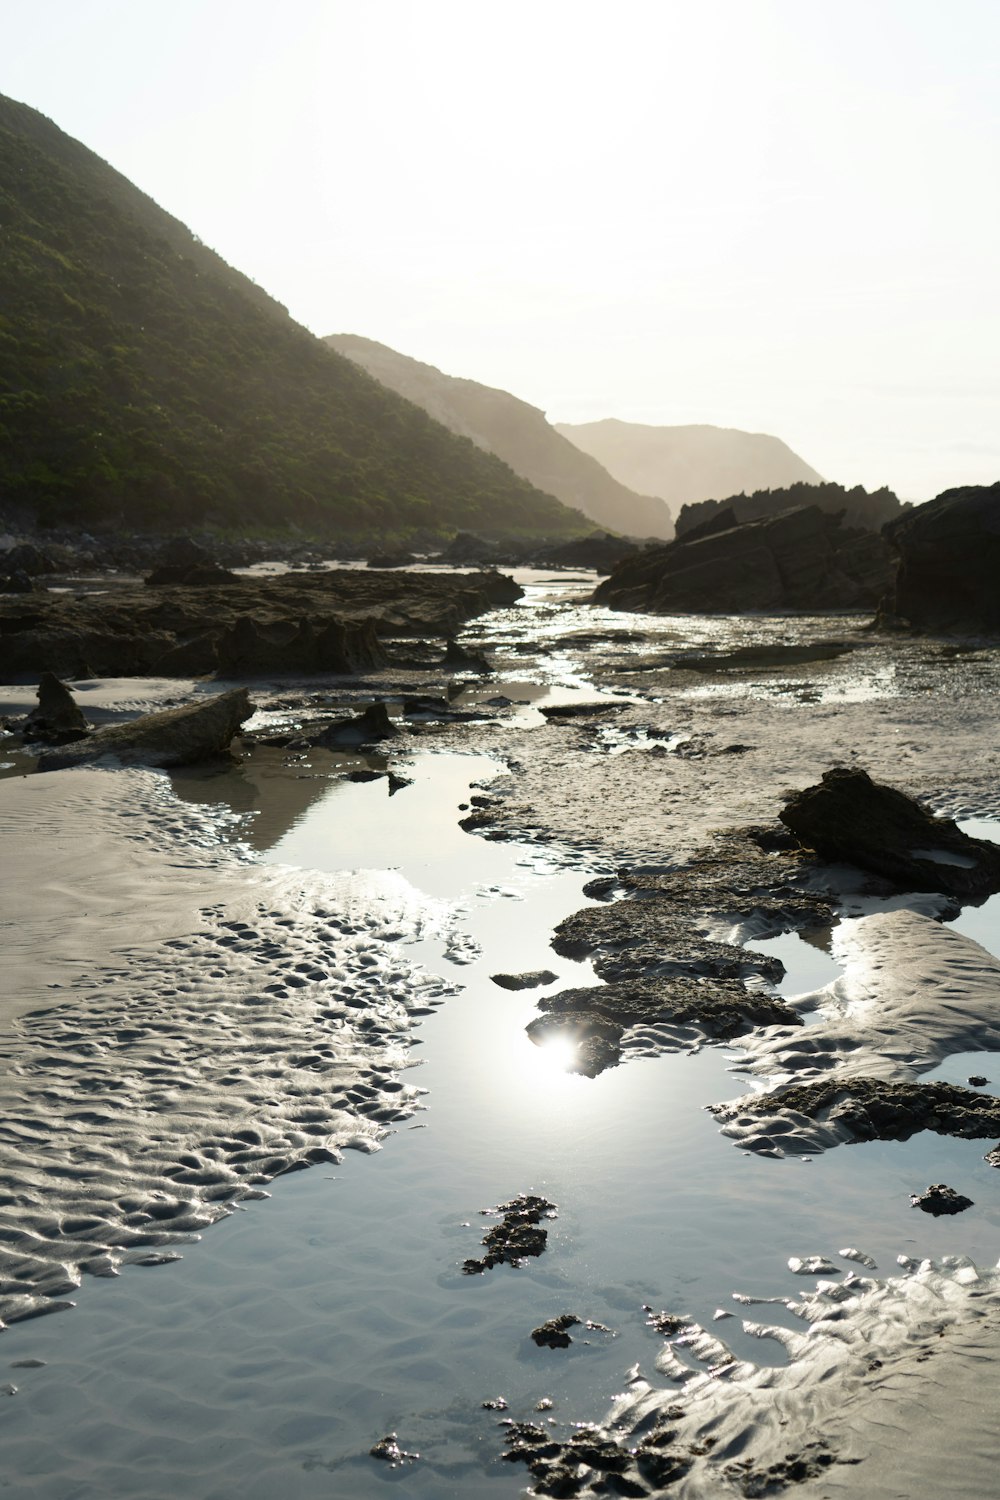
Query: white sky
<point x="780" y="215"/>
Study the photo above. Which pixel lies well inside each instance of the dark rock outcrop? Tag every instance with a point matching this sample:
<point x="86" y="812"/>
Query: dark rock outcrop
<point x="949" y="564"/>
<point x="58" y="719"/>
<point x="801" y="560"/>
<point x="530" y="980"/>
<point x="175" y="737"/>
<point x="940" y="1199"/>
<point x="329" y="622"/>
<point x="846" y="816"/>
<point x="554" y="1333"/>
<point x="858" y="507"/>
<point x="185" y="563"/>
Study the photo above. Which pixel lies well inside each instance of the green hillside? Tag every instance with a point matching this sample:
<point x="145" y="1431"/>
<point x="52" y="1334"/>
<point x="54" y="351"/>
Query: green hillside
<point x="145" y="383"/>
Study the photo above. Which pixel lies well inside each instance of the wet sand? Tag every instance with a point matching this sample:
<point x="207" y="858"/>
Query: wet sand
<point x="224" y="975"/>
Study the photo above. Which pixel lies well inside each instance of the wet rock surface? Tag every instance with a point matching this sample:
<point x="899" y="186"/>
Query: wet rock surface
<point x="848" y="816"/>
<point x="817" y="1116"/>
<point x="949" y="563"/>
<point x="594" y="1020"/>
<point x="519" y="1235"/>
<point x="801" y="559"/>
<point x="173" y="737"/>
<point x="329" y="622"/>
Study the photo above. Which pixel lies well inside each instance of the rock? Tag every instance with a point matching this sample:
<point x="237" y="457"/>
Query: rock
<point x="761" y="658"/>
<point x="594" y="1019"/>
<point x="518" y="1236"/>
<point x="398" y="783"/>
<point x="849" y="817"/>
<point x="390" y="559"/>
<point x="529" y="980"/>
<point x="978" y="1080"/>
<point x="600" y="552"/>
<point x="26" y="558"/>
<point x="465" y="548"/>
<point x="939" y="1199"/>
<point x="57" y="720"/>
<point x="801" y="559"/>
<point x="388" y="1449"/>
<point x="183" y="561"/>
<point x="361" y="729"/>
<point x="16" y="582"/>
<point x="457" y="659"/>
<point x="175" y="737"/>
<point x="949" y="564"/>
<point x="330" y="622"/>
<point x="837" y="1111"/>
<point x="553" y="1334"/>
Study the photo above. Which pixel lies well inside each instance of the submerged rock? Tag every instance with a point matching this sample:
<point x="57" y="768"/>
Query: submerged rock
<point x="58" y="719"/>
<point x="389" y="1450"/>
<point x="802" y="559"/>
<point x="949" y="564"/>
<point x="529" y="980"/>
<point x="174" y="737"/>
<point x="940" y="1199"/>
<point x="849" y="817"/>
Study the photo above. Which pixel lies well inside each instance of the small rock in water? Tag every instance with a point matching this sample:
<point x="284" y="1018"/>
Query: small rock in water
<point x="517" y="1236"/>
<point x="978" y="1081"/>
<point x="529" y="980"/>
<point x="388" y="1448"/>
<point x="553" y="1334"/>
<point x="940" y="1199"/>
<point x="666" y="1323"/>
<point x="498" y="1403"/>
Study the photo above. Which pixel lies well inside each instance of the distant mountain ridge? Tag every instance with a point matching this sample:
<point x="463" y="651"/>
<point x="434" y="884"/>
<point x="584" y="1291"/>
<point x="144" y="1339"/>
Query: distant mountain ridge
<point x="518" y="433"/>
<point x="145" y="383"/>
<point x="687" y="464"/>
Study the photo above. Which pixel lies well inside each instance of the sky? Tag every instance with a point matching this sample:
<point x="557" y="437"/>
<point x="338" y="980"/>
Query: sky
<point x="777" y="215"/>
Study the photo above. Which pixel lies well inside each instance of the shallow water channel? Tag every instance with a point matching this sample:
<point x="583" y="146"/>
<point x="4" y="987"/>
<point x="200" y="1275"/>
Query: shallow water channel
<point x="271" y="1357"/>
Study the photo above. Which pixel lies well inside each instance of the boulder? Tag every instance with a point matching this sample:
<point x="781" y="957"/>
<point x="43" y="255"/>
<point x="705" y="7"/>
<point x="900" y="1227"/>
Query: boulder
<point x="360" y="729"/>
<point x="949" y="564"/>
<point x="58" y="719"/>
<point x="848" y="817"/>
<point x="174" y="737"/>
<point x="802" y="559"/>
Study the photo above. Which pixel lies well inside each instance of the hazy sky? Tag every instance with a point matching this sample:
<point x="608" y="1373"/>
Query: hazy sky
<point x="780" y="215"/>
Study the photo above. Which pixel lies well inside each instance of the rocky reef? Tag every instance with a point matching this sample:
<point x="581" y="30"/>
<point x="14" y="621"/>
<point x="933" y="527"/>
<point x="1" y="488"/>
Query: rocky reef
<point x="319" y="622"/>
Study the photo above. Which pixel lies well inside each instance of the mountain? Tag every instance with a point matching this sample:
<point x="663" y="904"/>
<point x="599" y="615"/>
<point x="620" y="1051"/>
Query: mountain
<point x="685" y="464"/>
<point x="145" y="383"/>
<point x="517" y="433"/>
<point x="858" y="506"/>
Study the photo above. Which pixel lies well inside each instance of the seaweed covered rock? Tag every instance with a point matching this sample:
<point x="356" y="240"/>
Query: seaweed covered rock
<point x="949" y="564"/>
<point x="847" y="816"/>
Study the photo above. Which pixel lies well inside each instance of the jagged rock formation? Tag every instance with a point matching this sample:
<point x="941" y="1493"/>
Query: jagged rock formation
<point x="847" y="816"/>
<point x="317" y="622"/>
<point x="687" y="464"/>
<point x="857" y="506"/>
<point x="146" y="382"/>
<point x="517" y="433"/>
<point x="803" y="560"/>
<point x="949" y="564"/>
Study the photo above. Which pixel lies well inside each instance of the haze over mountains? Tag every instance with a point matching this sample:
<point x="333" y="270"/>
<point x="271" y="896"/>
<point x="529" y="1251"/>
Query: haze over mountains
<point x="686" y="464"/>
<point x="518" y="433"/>
<point x="145" y="383"/>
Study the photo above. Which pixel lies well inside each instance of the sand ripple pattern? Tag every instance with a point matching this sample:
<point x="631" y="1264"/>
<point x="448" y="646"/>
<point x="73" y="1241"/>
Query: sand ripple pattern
<point x="171" y="1086"/>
